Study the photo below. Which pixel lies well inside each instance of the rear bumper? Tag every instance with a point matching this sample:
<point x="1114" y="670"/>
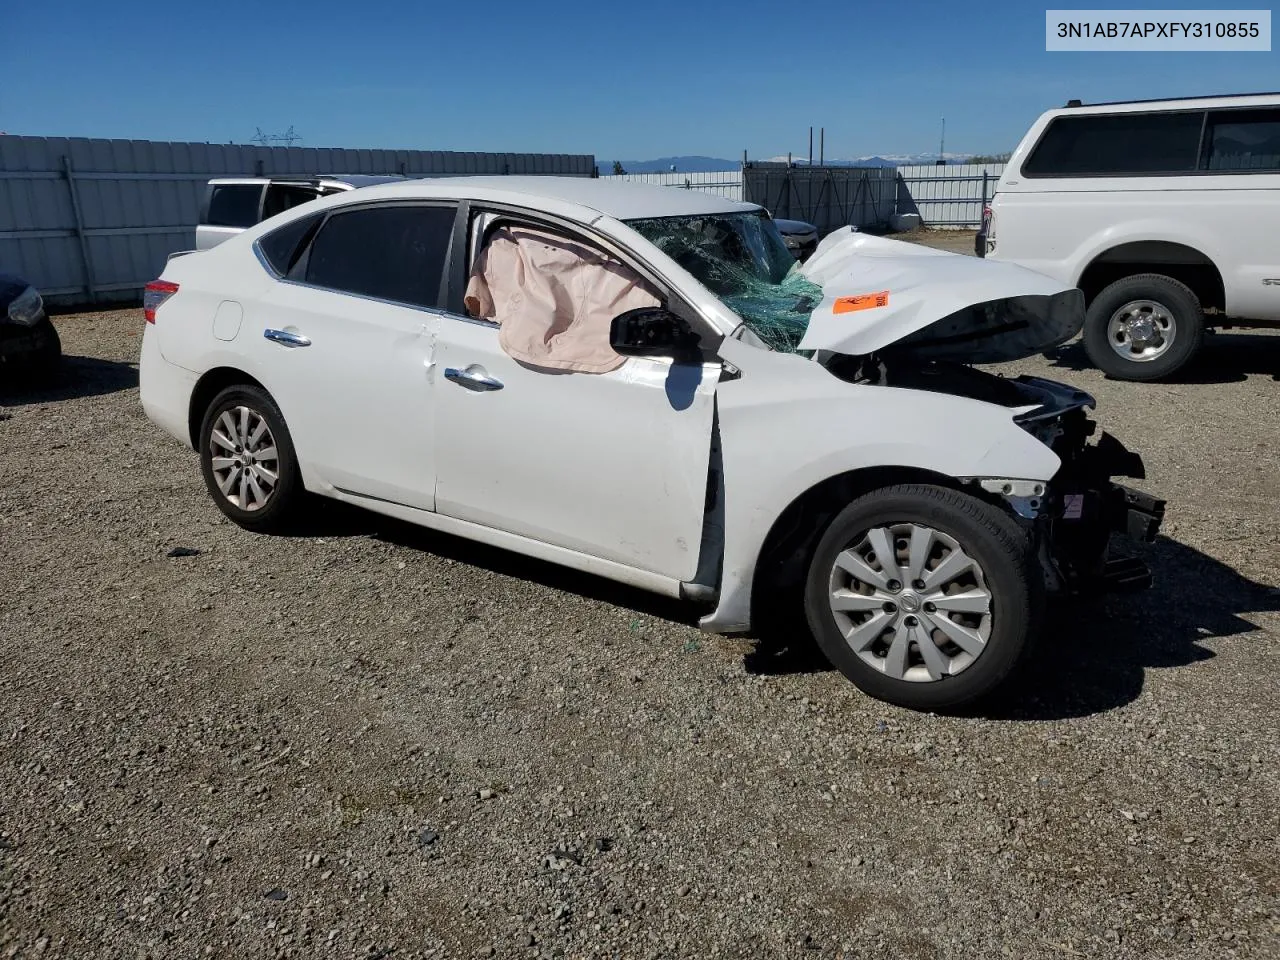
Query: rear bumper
<point x="165" y="389"/>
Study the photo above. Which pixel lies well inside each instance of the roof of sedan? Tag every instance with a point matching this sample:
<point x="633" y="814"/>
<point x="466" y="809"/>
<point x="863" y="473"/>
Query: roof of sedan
<point x="622" y="201"/>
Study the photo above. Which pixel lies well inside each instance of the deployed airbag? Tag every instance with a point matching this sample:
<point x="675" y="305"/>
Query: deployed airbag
<point x="553" y="298"/>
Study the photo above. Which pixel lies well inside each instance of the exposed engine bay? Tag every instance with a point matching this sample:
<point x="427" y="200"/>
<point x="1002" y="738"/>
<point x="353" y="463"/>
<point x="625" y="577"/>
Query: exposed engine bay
<point x="1076" y="513"/>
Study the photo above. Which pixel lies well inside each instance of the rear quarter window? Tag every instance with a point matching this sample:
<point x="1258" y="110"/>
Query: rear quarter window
<point x="1123" y="144"/>
<point x="234" y="205"/>
<point x="281" y="247"/>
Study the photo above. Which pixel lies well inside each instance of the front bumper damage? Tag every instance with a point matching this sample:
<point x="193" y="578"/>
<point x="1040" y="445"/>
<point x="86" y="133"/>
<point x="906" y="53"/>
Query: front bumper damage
<point x="1084" y="511"/>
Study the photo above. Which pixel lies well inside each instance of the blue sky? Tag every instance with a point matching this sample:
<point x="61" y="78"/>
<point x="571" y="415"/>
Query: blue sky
<point x="620" y="80"/>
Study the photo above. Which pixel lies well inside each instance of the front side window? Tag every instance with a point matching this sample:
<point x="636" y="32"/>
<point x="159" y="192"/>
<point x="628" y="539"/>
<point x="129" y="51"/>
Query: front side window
<point x="1120" y="144"/>
<point x="743" y="260"/>
<point x="234" y="205"/>
<point x="395" y="253"/>
<point x="553" y="297"/>
<point x="1244" y="140"/>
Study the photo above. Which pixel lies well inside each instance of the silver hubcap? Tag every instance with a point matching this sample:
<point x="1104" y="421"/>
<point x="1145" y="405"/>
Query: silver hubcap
<point x="911" y="603"/>
<point x="1141" y="330"/>
<point x="246" y="466"/>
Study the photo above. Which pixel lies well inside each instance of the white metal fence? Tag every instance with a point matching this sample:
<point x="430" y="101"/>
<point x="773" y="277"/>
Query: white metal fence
<point x="727" y="184"/>
<point x="949" y="196"/>
<point x="93" y="220"/>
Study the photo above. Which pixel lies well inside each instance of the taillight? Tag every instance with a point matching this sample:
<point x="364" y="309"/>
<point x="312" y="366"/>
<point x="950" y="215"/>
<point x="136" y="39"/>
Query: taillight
<point x="155" y="294"/>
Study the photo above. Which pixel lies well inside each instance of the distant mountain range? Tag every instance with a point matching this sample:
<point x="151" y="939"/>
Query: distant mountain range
<point x="697" y="164"/>
<point x="664" y="165"/>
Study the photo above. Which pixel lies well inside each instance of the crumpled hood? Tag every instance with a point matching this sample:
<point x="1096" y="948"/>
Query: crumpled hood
<point x="879" y="293"/>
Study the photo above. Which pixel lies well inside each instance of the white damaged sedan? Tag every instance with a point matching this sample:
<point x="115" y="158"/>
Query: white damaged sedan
<point x="641" y="383"/>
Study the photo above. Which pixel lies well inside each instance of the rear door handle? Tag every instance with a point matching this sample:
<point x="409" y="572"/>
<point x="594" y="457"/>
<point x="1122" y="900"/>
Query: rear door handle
<point x="472" y="379"/>
<point x="285" y="338"/>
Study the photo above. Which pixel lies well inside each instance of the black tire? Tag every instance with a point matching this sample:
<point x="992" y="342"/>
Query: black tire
<point x="278" y="511"/>
<point x="986" y="534"/>
<point x="1182" y="305"/>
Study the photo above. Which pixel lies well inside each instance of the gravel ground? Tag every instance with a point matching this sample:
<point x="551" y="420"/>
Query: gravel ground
<point x="374" y="741"/>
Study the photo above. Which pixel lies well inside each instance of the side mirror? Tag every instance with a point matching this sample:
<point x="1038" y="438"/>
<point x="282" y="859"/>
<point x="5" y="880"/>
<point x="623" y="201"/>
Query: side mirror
<point x="654" y="332"/>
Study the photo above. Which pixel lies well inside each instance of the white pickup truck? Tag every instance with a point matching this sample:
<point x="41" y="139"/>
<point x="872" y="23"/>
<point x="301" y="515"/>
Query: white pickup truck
<point x="1164" y="213"/>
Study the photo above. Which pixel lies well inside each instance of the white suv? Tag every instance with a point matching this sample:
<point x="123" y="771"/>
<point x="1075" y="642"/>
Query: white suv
<point x="233" y="204"/>
<point x="1163" y="212"/>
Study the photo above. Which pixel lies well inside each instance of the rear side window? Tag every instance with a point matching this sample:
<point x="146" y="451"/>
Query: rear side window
<point x="394" y="253"/>
<point x="1119" y="144"/>
<point x="1244" y="140"/>
<point x="234" y="205"/>
<point x="280" y="247"/>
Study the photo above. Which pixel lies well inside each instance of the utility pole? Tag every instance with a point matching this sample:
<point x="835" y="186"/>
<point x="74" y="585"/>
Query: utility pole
<point x="942" y="143"/>
<point x="822" y="145"/>
<point x="288" y="138"/>
<point x="811" y="146"/>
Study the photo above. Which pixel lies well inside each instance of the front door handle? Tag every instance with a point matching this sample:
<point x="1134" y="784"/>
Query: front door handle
<point x="285" y="338"/>
<point x="472" y="379"/>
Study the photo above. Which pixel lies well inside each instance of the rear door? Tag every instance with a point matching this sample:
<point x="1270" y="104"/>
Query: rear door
<point x="229" y="207"/>
<point x="347" y="340"/>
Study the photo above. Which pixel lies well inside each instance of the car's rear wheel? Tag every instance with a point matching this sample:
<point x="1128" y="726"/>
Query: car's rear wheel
<point x="247" y="458"/>
<point x="924" y="596"/>
<point x="1143" y="327"/>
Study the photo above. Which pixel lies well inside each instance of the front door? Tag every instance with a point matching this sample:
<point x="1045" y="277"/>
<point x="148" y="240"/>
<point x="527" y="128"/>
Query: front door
<point x="612" y="465"/>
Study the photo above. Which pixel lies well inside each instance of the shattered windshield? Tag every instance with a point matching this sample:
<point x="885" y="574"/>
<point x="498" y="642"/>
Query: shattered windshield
<point x="740" y="257"/>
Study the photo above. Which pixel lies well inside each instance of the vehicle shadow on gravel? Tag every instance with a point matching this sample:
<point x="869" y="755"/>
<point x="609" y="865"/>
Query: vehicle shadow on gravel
<point x="1225" y="358"/>
<point x="79" y="377"/>
<point x="1092" y="658"/>
<point x="332" y="518"/>
<point x="1095" y="653"/>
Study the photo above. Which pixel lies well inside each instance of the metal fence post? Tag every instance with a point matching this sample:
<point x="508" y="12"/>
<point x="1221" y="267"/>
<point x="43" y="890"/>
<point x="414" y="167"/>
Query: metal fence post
<point x="84" y="241"/>
<point x="982" y="210"/>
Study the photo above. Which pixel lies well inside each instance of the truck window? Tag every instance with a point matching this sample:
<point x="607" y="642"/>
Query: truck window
<point x="285" y="196"/>
<point x="1121" y="144"/>
<point x="234" y="205"/>
<point x="1244" y="140"/>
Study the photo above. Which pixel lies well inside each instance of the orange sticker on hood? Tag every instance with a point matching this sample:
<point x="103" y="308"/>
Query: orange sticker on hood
<point x="863" y="301"/>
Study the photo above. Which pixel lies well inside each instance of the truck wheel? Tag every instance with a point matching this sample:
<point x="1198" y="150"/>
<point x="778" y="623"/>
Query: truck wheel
<point x="1143" y="327"/>
<point x="924" y="596"/>
<point x="247" y="458"/>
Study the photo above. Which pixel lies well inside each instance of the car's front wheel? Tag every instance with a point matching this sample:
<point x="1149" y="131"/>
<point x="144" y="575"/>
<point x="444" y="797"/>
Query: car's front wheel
<point x="246" y="455"/>
<point x="924" y="596"/>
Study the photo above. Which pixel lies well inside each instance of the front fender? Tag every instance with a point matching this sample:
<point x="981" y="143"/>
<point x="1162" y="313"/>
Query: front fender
<point x="787" y="424"/>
